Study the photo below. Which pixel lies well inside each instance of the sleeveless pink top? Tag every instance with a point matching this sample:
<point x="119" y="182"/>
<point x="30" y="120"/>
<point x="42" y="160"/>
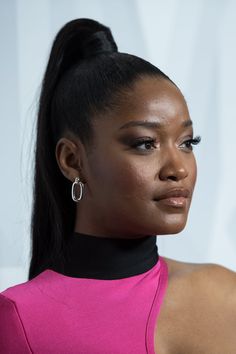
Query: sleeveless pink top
<point x="58" y="314"/>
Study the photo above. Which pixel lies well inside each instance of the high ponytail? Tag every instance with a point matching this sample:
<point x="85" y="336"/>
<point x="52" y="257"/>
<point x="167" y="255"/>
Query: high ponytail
<point x="85" y="76"/>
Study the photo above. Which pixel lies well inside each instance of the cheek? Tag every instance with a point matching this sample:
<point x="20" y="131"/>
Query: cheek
<point x="119" y="176"/>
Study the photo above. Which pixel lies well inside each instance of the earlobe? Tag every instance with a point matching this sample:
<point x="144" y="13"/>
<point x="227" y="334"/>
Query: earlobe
<point x="68" y="158"/>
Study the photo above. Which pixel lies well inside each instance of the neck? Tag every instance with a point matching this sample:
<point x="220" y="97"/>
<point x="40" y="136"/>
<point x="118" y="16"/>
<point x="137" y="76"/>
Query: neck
<point x="89" y="256"/>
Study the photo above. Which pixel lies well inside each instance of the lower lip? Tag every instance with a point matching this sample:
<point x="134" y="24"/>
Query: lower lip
<point x="176" y="202"/>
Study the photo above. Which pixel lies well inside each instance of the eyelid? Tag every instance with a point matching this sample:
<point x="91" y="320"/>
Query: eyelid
<point x="143" y="140"/>
<point x="132" y="140"/>
<point x="196" y="140"/>
<point x="193" y="141"/>
<point x="135" y="142"/>
<point x="144" y="146"/>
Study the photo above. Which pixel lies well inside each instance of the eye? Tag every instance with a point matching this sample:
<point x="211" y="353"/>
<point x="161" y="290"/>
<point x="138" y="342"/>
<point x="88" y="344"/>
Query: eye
<point x="144" y="144"/>
<point x="188" y="144"/>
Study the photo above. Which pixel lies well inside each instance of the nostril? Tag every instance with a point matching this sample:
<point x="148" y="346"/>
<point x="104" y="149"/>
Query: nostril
<point x="173" y="178"/>
<point x="173" y="172"/>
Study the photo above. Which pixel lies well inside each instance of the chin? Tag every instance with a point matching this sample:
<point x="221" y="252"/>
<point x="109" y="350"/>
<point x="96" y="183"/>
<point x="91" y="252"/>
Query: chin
<point x="170" y="229"/>
<point x="172" y="232"/>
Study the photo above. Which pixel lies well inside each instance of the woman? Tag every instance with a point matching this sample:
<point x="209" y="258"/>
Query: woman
<point x="114" y="167"/>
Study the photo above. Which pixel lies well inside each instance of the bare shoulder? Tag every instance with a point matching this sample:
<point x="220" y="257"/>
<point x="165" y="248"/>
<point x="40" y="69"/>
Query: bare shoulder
<point x="203" y="275"/>
<point x="213" y="281"/>
<point x="200" y="299"/>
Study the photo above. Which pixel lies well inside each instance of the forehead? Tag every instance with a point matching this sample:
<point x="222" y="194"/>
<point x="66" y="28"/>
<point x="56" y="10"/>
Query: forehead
<point x="156" y="97"/>
<point x="149" y="99"/>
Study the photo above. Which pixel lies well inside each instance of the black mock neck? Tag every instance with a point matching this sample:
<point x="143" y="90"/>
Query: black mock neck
<point x="97" y="257"/>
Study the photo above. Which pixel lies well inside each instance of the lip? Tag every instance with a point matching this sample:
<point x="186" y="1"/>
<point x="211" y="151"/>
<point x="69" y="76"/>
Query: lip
<point x="174" y="193"/>
<point x="176" y="197"/>
<point x="176" y="202"/>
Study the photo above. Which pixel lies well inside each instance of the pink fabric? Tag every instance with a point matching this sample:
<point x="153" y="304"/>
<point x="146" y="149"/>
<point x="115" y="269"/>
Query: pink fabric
<point x="57" y="314"/>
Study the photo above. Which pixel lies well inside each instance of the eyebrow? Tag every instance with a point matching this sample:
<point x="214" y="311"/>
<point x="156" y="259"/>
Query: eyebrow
<point x="152" y="125"/>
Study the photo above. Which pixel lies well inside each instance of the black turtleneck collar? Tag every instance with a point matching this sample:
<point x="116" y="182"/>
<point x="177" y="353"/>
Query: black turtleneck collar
<point x="97" y="257"/>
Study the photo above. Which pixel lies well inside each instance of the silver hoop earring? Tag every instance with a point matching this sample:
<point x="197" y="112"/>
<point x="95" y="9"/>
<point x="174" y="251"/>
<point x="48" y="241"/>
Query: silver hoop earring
<point x="81" y="186"/>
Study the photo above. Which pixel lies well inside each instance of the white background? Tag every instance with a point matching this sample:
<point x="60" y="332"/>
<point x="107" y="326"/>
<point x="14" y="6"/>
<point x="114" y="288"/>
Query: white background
<point x="193" y="42"/>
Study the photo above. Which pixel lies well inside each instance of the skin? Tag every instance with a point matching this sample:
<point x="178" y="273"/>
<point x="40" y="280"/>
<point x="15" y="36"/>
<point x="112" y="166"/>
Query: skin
<point x="122" y="181"/>
<point x="123" y="178"/>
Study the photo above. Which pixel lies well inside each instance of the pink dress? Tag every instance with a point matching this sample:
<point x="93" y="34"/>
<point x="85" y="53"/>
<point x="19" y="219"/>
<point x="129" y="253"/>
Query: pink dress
<point x="106" y="301"/>
<point x="57" y="314"/>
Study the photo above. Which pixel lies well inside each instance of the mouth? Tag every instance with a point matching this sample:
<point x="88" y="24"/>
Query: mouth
<point x="175" y="202"/>
<point x="176" y="198"/>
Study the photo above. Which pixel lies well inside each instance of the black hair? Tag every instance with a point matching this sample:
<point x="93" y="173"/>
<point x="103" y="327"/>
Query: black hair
<point x="85" y="76"/>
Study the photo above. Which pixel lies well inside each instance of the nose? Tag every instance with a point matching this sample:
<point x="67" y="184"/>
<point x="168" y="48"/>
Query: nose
<point x="173" y="168"/>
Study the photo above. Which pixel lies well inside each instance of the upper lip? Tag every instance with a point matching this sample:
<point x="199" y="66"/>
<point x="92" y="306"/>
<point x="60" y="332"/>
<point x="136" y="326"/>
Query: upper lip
<point x="174" y="192"/>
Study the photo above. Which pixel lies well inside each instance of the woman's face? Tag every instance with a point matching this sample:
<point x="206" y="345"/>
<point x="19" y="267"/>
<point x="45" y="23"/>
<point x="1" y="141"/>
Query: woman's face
<point x="141" y="172"/>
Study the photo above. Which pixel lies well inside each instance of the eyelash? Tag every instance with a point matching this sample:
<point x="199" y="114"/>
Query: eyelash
<point x="142" y="141"/>
<point x="194" y="141"/>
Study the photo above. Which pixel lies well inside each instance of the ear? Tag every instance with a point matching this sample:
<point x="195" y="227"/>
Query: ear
<point x="69" y="158"/>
